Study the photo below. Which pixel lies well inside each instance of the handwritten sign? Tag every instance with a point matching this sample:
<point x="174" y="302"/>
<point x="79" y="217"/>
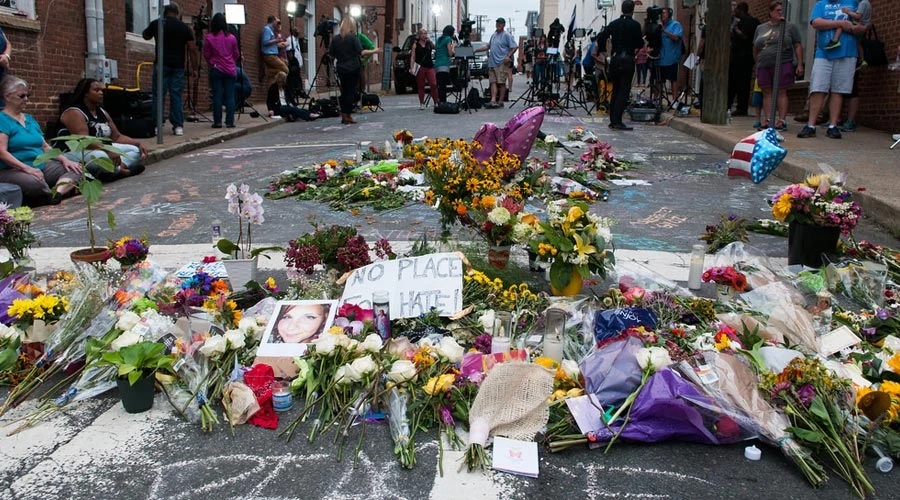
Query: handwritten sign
<point x="416" y="284"/>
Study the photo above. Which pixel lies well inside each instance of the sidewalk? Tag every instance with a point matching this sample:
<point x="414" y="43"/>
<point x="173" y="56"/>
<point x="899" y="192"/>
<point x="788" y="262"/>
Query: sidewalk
<point x="871" y="167"/>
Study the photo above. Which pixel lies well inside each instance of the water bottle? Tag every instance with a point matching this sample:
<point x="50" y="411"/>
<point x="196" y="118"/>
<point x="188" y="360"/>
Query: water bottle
<point x="728" y="119"/>
<point x="216" y="232"/>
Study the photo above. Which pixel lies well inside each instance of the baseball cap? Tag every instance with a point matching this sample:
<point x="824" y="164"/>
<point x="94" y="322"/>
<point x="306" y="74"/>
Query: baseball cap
<point x="501" y="20"/>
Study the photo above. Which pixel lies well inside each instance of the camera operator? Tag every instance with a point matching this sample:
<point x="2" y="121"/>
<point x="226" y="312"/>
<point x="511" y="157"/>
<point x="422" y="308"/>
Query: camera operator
<point x="670" y="53"/>
<point x="443" y="54"/>
<point x="500" y="48"/>
<point x="556" y="30"/>
<point x="626" y="40"/>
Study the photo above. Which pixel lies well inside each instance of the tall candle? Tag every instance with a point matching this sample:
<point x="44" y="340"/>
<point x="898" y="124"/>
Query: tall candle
<point x="559" y="161"/>
<point x="553" y="347"/>
<point x="698" y="254"/>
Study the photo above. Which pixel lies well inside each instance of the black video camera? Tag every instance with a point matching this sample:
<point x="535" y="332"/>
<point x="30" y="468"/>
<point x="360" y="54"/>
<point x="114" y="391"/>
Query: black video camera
<point x="465" y="30"/>
<point x="654" y="12"/>
<point x="556" y="30"/>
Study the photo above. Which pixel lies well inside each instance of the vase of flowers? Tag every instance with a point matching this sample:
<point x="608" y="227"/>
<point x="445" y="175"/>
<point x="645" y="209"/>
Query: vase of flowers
<point x="501" y="222"/>
<point x="335" y="247"/>
<point x="129" y="251"/>
<point x="15" y="233"/>
<point x="242" y="266"/>
<point x="728" y="281"/>
<point x="818" y="211"/>
<point x="576" y="242"/>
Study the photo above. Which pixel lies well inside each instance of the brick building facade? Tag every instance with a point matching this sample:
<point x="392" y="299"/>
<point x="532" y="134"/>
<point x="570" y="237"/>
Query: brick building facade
<point x="49" y="43"/>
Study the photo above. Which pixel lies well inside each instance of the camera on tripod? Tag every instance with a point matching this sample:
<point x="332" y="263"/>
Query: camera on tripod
<point x="653" y="30"/>
<point x="556" y="30"/>
<point x="325" y="29"/>
<point x="465" y="32"/>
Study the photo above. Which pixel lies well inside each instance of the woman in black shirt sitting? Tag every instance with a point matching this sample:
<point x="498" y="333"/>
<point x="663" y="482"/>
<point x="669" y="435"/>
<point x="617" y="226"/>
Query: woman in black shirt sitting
<point x="281" y="103"/>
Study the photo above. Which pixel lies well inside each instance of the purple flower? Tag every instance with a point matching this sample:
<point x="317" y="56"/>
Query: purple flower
<point x="869" y="331"/>
<point x="446" y="416"/>
<point x="482" y="343"/>
<point x="806" y="394"/>
<point x="778" y="389"/>
<point x="883" y="314"/>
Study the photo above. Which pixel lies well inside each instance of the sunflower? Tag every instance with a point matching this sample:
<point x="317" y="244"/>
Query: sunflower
<point x="782" y="207"/>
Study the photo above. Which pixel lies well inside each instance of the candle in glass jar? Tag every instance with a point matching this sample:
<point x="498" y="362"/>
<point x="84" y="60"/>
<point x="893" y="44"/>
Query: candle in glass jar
<point x="559" y="161"/>
<point x="553" y="347"/>
<point x="499" y="344"/>
<point x="698" y="254"/>
<point x="282" y="399"/>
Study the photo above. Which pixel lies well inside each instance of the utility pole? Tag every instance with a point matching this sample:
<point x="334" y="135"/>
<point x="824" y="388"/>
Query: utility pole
<point x="715" y="63"/>
<point x="388" y="22"/>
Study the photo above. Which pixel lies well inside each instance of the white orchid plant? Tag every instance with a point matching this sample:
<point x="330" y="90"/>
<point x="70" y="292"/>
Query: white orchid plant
<point x="248" y="208"/>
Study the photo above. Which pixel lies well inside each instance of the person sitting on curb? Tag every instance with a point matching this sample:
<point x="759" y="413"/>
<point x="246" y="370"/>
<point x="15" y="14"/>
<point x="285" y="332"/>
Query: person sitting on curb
<point x="86" y="117"/>
<point x="281" y="103"/>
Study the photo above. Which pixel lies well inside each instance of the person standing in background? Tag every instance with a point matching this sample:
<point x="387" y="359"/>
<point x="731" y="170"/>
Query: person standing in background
<point x="5" y="54"/>
<point x="443" y="54"/>
<point x="221" y="52"/>
<point x="626" y="40"/>
<point x="346" y="50"/>
<point x="270" y="45"/>
<point x="740" y="70"/>
<point x="420" y="56"/>
<point x="670" y="53"/>
<point x="178" y="39"/>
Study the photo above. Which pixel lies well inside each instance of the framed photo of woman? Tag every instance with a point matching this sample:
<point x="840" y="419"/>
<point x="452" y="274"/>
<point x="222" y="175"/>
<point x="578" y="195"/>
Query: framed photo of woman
<point x="294" y="325"/>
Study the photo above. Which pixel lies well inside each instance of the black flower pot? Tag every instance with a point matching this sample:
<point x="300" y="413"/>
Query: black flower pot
<point x="807" y="243"/>
<point x="136" y="398"/>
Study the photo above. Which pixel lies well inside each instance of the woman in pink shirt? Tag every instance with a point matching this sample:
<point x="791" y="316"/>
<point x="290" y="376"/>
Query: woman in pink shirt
<point x="640" y="61"/>
<point x="221" y="52"/>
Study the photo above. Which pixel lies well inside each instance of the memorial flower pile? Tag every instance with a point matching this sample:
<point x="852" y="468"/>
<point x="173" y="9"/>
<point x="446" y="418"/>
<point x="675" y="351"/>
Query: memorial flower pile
<point x="129" y="251"/>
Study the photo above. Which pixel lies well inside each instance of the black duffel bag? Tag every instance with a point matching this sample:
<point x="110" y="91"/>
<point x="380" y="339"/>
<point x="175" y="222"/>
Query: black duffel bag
<point x="447" y="108"/>
<point x="326" y="108"/>
<point x="873" y="49"/>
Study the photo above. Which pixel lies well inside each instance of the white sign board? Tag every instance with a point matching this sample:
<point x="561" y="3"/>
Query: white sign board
<point x="416" y="284"/>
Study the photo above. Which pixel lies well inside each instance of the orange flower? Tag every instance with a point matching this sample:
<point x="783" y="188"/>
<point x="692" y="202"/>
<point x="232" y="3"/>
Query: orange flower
<point x="488" y="202"/>
<point x="460" y="209"/>
<point x="740" y="282"/>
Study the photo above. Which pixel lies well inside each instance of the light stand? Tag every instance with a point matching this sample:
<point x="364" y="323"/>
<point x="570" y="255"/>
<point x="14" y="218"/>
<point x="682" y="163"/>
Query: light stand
<point x="236" y="15"/>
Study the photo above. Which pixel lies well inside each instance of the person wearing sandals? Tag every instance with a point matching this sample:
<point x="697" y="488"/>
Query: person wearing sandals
<point x="765" y="51"/>
<point x="346" y="49"/>
<point x="86" y="117"/>
<point x="21" y="142"/>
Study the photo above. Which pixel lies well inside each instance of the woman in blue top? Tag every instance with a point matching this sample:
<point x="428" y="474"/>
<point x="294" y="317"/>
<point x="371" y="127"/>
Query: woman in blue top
<point x="21" y="141"/>
<point x="443" y="54"/>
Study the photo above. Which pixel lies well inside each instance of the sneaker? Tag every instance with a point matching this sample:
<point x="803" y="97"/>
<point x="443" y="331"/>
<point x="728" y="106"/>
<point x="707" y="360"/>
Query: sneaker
<point x="421" y="106"/>
<point x="848" y="126"/>
<point x="807" y="132"/>
<point x="179" y="131"/>
<point x="833" y="44"/>
<point x="833" y="132"/>
<point x="757" y="126"/>
<point x="780" y="125"/>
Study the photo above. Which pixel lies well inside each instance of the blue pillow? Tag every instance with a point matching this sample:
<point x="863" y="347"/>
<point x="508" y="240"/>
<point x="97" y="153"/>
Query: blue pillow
<point x="767" y="155"/>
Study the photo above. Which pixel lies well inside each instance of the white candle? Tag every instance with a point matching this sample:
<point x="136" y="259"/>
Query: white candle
<point x="697" y="257"/>
<point x="499" y="344"/>
<point x="559" y="161"/>
<point x="553" y="348"/>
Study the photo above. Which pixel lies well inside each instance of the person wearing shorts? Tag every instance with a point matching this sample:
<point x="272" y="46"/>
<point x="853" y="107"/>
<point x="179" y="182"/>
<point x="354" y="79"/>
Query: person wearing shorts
<point x="765" y="53"/>
<point x="500" y="49"/>
<point x="670" y="53"/>
<point x="833" y="69"/>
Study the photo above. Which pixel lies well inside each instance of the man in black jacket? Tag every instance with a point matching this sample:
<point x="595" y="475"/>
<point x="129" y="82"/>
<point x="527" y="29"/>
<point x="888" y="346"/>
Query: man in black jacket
<point x="626" y="40"/>
<point x="178" y="40"/>
<point x="740" y="71"/>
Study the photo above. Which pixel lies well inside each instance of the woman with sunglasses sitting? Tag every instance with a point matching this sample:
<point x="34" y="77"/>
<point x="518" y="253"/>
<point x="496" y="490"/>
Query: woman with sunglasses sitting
<point x="21" y="142"/>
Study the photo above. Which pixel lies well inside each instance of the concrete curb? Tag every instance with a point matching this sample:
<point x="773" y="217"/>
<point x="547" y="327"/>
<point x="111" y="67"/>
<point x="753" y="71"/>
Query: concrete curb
<point x="169" y="151"/>
<point x="880" y="211"/>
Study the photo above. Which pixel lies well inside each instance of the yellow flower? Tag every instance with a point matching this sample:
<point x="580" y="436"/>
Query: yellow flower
<point x="583" y="248"/>
<point x="860" y="392"/>
<point x="894" y="363"/>
<point x="813" y="181"/>
<point x="723" y="342"/>
<point x="574" y="393"/>
<point x="437" y="385"/>
<point x="575" y="213"/>
<point x="270" y="282"/>
<point x="782" y="207"/>
<point x="19" y="308"/>
<point x="548" y="363"/>
<point x="488" y="202"/>
<point x="335" y="330"/>
<point x="889" y="387"/>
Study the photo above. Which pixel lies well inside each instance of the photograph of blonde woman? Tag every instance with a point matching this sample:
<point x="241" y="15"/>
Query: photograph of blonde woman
<point x="300" y="323"/>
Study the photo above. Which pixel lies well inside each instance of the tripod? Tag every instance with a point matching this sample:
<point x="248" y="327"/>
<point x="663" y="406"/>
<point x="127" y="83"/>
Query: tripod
<point x="574" y="97"/>
<point x="460" y="87"/>
<point x="193" y="84"/>
<point x="688" y="97"/>
<point x="240" y="97"/>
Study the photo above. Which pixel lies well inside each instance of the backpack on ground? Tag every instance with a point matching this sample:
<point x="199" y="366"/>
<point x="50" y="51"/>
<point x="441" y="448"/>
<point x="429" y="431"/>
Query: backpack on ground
<point x="447" y="108"/>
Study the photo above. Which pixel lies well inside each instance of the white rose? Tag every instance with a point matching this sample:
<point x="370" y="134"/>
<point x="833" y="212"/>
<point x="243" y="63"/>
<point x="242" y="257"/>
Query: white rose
<point x="521" y="232"/>
<point x="550" y="139"/>
<point x="10" y="332"/>
<point x="364" y="366"/>
<point x="654" y="358"/>
<point x="487" y="321"/>
<point x="450" y="350"/>
<point x="214" y="346"/>
<point x="344" y="341"/>
<point x="250" y="327"/>
<point x="372" y="343"/>
<point x="325" y="344"/>
<point x="341" y="375"/>
<point x="127" y="321"/>
<point x="570" y="368"/>
<point x="402" y="371"/>
<point x="126" y="339"/>
<point x="235" y="338"/>
<point x="352" y="345"/>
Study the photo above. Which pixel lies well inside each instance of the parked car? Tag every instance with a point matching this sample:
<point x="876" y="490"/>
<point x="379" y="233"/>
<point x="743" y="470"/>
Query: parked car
<point x="405" y="83"/>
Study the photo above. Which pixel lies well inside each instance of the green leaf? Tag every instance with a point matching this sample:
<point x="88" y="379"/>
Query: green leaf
<point x="261" y="251"/>
<point x="817" y="408"/>
<point x="103" y="162"/>
<point x="560" y="274"/>
<point x="125" y="369"/>
<point x="111" y="220"/>
<point x="134" y="376"/>
<point x="227" y="247"/>
<point x="46" y="155"/>
<point x="806" y="434"/>
<point x="91" y="190"/>
<point x="8" y="358"/>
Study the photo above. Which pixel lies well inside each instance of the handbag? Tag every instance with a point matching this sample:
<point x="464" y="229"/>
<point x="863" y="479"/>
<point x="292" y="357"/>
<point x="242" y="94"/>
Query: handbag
<point x="873" y="49"/>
